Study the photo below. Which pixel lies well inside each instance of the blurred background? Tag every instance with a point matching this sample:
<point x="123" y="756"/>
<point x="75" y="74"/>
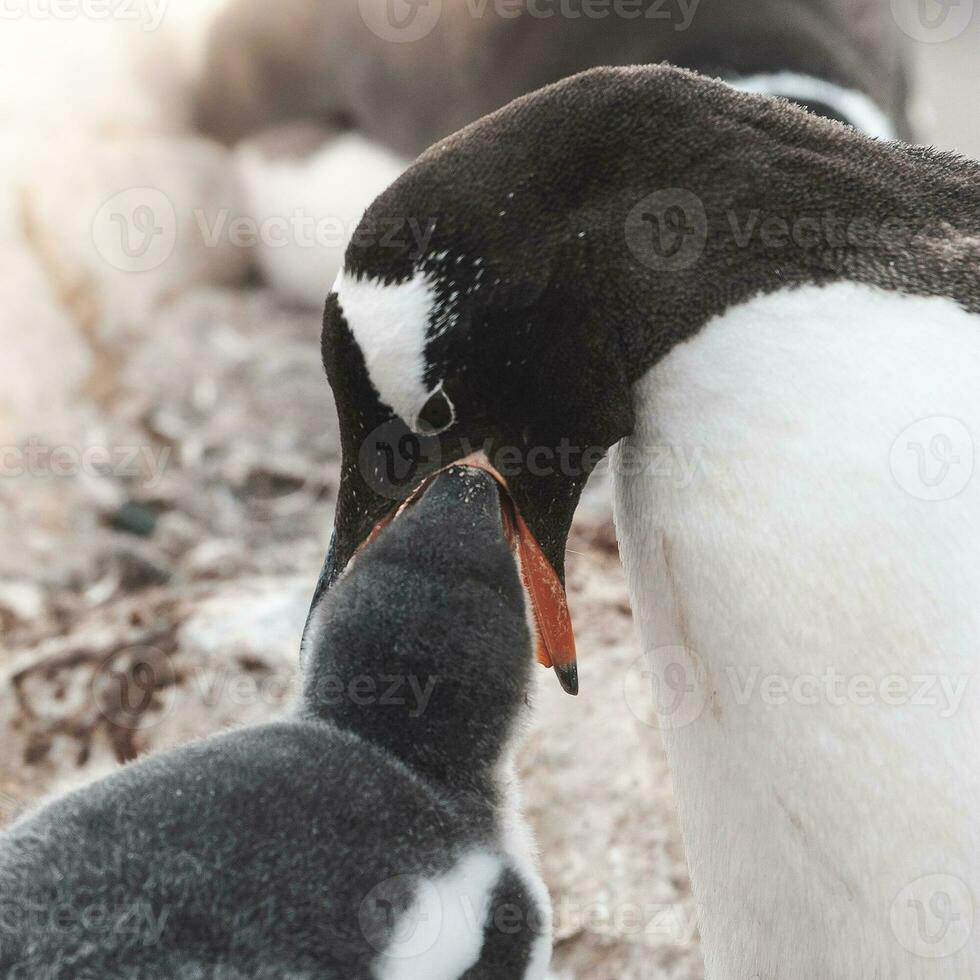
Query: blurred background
<point x="168" y="446"/>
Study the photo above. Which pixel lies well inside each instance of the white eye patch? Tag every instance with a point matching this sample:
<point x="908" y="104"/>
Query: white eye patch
<point x="390" y="323"/>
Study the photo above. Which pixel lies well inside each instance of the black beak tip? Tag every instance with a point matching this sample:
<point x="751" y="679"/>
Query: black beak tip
<point x="568" y="678"/>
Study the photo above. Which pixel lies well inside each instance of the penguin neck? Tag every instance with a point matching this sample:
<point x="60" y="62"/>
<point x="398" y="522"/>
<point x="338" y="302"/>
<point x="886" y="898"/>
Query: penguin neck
<point x="445" y="707"/>
<point x="755" y="199"/>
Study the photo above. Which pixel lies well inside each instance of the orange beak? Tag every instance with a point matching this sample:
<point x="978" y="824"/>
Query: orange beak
<point x="549" y="604"/>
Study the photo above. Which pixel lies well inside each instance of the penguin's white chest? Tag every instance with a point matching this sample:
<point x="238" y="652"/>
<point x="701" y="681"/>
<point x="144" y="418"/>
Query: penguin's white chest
<point x="441" y="934"/>
<point x="799" y="516"/>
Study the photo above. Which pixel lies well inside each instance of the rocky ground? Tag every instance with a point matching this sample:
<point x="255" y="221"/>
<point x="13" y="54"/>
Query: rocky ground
<point x="169" y="467"/>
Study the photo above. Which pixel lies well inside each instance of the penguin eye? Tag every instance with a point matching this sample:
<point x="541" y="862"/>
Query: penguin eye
<point x="437" y="414"/>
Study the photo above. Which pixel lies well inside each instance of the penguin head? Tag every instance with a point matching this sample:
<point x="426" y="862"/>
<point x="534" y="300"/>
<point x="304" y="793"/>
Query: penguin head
<point x="423" y="645"/>
<point x="504" y="294"/>
<point x="468" y="316"/>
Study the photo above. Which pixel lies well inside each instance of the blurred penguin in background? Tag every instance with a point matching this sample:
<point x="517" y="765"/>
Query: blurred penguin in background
<point x="331" y="99"/>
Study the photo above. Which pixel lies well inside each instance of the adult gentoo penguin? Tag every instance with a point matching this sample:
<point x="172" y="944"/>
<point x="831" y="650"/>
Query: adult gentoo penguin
<point x="381" y="80"/>
<point x="649" y="259"/>
<point x="373" y="836"/>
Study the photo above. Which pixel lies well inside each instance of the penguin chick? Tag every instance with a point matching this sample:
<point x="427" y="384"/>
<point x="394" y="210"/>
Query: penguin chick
<point x="373" y="834"/>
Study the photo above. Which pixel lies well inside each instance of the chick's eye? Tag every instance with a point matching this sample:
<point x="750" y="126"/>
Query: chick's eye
<point x="437" y="414"/>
